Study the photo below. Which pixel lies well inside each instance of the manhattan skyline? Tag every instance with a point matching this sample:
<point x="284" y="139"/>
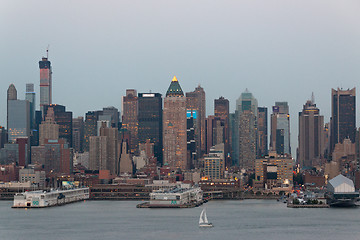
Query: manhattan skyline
<point x="280" y="51"/>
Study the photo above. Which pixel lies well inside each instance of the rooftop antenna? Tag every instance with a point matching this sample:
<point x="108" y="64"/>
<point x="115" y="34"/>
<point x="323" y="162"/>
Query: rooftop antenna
<point x="47" y="51"/>
<point x="312" y="98"/>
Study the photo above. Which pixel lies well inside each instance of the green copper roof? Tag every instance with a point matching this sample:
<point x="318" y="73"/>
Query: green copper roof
<point x="174" y="88"/>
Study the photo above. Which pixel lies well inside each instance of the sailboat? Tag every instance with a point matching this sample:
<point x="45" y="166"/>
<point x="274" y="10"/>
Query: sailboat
<point x="203" y="221"/>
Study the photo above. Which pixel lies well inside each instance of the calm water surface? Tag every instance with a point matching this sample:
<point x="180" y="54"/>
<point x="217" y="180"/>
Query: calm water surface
<point x="248" y="219"/>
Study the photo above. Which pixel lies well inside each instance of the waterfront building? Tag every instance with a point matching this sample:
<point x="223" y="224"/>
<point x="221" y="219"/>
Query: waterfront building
<point x="130" y="118"/>
<point x="221" y="110"/>
<point x="280" y="128"/>
<point x="274" y="170"/>
<point x="18" y="119"/>
<point x="78" y="133"/>
<point x="150" y="115"/>
<point x="262" y="123"/>
<point x="174" y="127"/>
<point x="34" y="177"/>
<point x="30" y="96"/>
<point x="48" y="129"/>
<point x="214" y="162"/>
<point x="343" y="116"/>
<point x="196" y="105"/>
<point x="45" y="83"/>
<point x="64" y="119"/>
<point x="311" y="135"/>
<point x="246" y="107"/>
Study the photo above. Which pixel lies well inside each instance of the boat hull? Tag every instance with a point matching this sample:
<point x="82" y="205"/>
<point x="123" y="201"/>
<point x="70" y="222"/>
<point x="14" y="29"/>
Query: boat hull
<point x="206" y="225"/>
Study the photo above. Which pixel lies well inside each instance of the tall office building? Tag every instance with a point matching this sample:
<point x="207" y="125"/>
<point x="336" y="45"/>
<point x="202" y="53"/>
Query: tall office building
<point x="114" y="113"/>
<point x="78" y="133"/>
<point x="64" y="119"/>
<point x="90" y="128"/>
<point x="130" y="118"/>
<point x="11" y="95"/>
<point x="343" y="116"/>
<point x="246" y="107"/>
<point x="196" y="103"/>
<point x="234" y="129"/>
<point x="30" y="96"/>
<point x="280" y="129"/>
<point x="174" y="127"/>
<point x="150" y="121"/>
<point x="18" y="117"/>
<point x="311" y="135"/>
<point x="262" y="121"/>
<point x="221" y="110"/>
<point x="112" y="145"/>
<point x="48" y="129"/>
<point x="45" y="83"/>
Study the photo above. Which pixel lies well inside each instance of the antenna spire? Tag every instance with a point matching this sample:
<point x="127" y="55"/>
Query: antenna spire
<point x="312" y="98"/>
<point x="47" y="51"/>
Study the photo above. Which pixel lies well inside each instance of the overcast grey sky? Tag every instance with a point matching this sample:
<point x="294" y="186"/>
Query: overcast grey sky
<point x="280" y="50"/>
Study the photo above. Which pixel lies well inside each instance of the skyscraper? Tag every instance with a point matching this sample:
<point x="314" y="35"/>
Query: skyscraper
<point x="64" y="119"/>
<point x="11" y="95"/>
<point x="30" y="96"/>
<point x="150" y="121"/>
<point x="195" y="103"/>
<point x="45" y="83"/>
<point x="174" y="127"/>
<point x="90" y="128"/>
<point x="280" y="129"/>
<point x="78" y="133"/>
<point x="130" y="117"/>
<point x="18" y="116"/>
<point x="262" y="121"/>
<point x="311" y="135"/>
<point x="221" y="110"/>
<point x="48" y="129"/>
<point x="246" y="108"/>
<point x="343" y="116"/>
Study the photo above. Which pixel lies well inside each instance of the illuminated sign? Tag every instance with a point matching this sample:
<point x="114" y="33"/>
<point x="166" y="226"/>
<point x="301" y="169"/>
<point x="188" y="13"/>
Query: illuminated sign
<point x="191" y="113"/>
<point x="148" y="95"/>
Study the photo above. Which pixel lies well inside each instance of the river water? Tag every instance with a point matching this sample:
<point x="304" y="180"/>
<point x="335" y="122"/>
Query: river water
<point x="247" y="219"/>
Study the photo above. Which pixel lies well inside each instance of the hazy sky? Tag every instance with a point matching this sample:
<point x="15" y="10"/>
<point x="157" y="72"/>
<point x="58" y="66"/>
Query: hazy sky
<point x="280" y="50"/>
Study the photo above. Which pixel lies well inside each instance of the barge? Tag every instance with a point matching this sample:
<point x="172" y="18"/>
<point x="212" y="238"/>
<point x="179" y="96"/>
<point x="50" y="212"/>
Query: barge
<point x="42" y="199"/>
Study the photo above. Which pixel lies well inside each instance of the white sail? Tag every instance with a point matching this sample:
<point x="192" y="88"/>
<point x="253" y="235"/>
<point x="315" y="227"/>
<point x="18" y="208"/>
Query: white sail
<point x="205" y="218"/>
<point x="201" y="220"/>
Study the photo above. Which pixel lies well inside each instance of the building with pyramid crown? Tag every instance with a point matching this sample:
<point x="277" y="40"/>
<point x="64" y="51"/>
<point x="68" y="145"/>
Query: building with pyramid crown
<point x="174" y="127"/>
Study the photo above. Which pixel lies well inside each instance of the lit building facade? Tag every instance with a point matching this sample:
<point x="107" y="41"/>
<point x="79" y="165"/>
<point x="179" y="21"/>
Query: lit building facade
<point x="311" y="135"/>
<point x="246" y="108"/>
<point x="130" y="118"/>
<point x="174" y="127"/>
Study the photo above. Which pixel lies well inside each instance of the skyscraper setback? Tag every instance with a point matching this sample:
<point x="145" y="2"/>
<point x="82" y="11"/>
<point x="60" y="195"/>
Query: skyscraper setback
<point x="45" y="83"/>
<point x="343" y="116"/>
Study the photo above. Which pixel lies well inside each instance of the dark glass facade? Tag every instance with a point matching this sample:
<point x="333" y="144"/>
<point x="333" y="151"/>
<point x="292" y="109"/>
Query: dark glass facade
<point x="150" y="121"/>
<point x="343" y="118"/>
